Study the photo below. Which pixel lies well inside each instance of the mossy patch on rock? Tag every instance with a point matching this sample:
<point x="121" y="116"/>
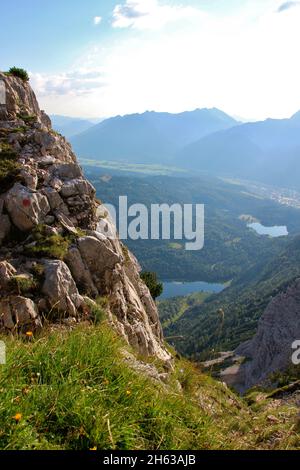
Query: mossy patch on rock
<point x="9" y="167"/>
<point x="46" y="245"/>
<point x="23" y="284"/>
<point x="28" y="118"/>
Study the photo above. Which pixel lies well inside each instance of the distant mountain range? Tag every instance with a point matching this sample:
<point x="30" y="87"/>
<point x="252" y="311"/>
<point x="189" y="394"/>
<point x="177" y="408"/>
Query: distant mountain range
<point x="69" y="126"/>
<point x="149" y="137"/>
<point x="206" y="140"/>
<point x="266" y="151"/>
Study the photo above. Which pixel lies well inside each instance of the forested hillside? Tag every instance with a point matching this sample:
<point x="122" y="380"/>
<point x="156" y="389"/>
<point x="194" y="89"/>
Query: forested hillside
<point x="224" y="321"/>
<point x="230" y="247"/>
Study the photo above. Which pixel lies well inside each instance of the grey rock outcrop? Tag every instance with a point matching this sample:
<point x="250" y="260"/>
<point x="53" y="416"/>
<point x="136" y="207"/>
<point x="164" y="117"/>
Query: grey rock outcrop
<point x="19" y="313"/>
<point x="271" y="348"/>
<point x="26" y="208"/>
<point x="80" y="271"/>
<point x="58" y="240"/>
<point x="7" y="271"/>
<point x="60" y="289"/>
<point x="98" y="256"/>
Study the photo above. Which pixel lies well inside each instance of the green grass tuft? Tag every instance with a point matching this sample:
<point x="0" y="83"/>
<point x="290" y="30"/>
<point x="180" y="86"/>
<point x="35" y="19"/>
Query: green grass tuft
<point x="49" y="246"/>
<point x="27" y="118"/>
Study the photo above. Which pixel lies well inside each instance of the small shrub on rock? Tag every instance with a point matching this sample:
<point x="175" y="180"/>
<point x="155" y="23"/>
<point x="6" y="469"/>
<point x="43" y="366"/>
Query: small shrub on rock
<point x="155" y="287"/>
<point x="20" y="73"/>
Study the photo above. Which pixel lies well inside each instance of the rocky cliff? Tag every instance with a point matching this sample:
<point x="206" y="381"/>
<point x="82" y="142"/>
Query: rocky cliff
<point x="271" y="348"/>
<point x="56" y="258"/>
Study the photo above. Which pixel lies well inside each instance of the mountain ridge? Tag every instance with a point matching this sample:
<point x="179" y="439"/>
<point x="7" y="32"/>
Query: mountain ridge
<point x="264" y="151"/>
<point x="69" y="126"/>
<point x="150" y="136"/>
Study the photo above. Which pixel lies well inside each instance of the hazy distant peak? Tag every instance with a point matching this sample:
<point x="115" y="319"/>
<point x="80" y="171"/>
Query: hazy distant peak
<point x="150" y="137"/>
<point x="70" y="126"/>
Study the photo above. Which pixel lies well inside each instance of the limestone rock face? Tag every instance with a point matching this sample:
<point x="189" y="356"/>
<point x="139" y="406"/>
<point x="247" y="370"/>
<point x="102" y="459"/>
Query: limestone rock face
<point x="57" y="242"/>
<point x="271" y="348"/>
<point x="6" y="273"/>
<point x="20" y="99"/>
<point x="25" y="207"/>
<point x="98" y="255"/>
<point x="19" y="313"/>
<point x="80" y="271"/>
<point x="60" y="289"/>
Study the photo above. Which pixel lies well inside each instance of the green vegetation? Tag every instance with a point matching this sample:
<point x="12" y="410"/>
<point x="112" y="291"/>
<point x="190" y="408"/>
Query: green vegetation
<point x="23" y="284"/>
<point x="96" y="310"/>
<point x="126" y="254"/>
<point x="230" y="247"/>
<point x="283" y="379"/>
<point x="28" y="118"/>
<point x="132" y="168"/>
<point x="38" y="271"/>
<point x="48" y="245"/>
<point x="155" y="287"/>
<point x="18" y="72"/>
<point x="176" y="246"/>
<point x="20" y="129"/>
<point x="171" y="310"/>
<point x="72" y="389"/>
<point x="5" y="132"/>
<point x="206" y="330"/>
<point x="9" y="167"/>
<point x="259" y="267"/>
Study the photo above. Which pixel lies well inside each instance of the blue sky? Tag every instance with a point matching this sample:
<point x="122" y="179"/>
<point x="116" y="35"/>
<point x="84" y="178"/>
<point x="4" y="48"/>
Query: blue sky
<point x="48" y="35"/>
<point x="99" y="58"/>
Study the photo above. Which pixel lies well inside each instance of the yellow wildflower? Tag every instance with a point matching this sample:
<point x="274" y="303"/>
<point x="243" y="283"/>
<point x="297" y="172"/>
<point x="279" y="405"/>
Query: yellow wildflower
<point x="17" y="417"/>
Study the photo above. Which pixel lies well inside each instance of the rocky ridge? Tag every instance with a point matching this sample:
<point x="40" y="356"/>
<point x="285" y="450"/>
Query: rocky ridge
<point x="270" y="350"/>
<point x="56" y="258"/>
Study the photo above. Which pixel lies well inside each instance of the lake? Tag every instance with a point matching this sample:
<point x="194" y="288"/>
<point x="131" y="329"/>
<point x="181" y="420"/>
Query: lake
<point x="275" y="231"/>
<point x="175" y="289"/>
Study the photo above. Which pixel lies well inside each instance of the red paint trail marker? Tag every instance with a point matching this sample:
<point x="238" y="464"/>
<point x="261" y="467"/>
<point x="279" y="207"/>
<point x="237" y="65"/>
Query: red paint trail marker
<point x="26" y="202"/>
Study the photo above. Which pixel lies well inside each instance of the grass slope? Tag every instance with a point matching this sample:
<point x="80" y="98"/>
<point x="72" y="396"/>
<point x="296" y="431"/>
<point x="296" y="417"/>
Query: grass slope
<point x="71" y="389"/>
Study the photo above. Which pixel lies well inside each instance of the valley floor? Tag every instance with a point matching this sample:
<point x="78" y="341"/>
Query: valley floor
<point x="72" y="389"/>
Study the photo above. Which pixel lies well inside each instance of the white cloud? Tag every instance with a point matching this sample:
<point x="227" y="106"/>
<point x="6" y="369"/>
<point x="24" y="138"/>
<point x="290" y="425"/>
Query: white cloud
<point x="75" y="83"/>
<point x="97" y="20"/>
<point x="149" y="14"/>
<point x="244" y="63"/>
